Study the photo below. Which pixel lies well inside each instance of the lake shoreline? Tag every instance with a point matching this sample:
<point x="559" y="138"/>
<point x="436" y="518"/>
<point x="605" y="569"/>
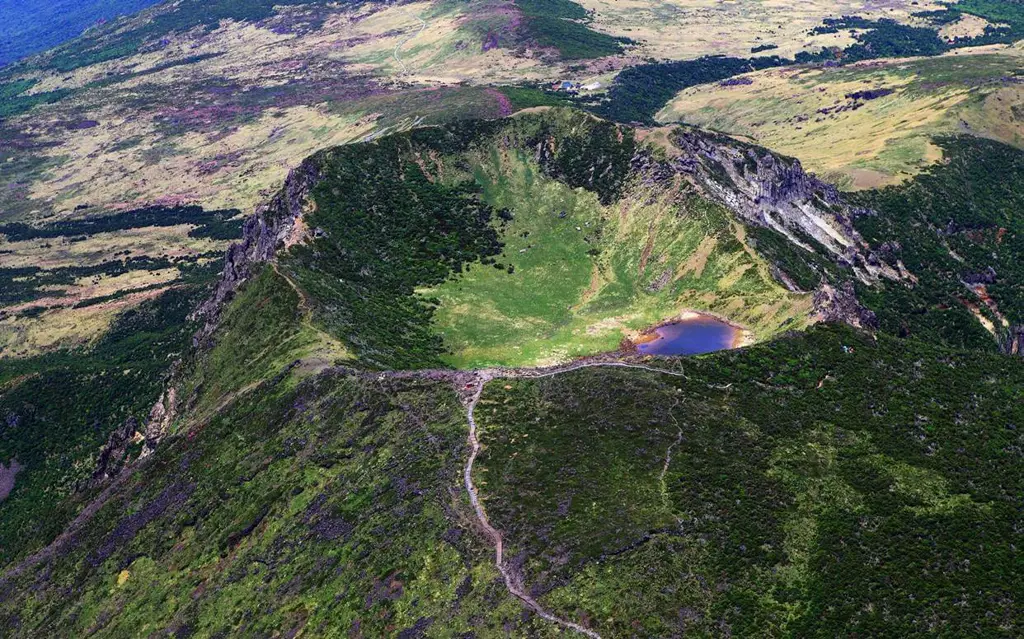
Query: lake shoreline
<point x="741" y="335"/>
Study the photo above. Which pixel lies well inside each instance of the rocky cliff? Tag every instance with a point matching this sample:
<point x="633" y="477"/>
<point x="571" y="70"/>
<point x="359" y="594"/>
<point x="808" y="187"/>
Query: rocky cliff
<point x="840" y="304"/>
<point x="273" y="225"/>
<point x="1012" y="341"/>
<point x="263" y="233"/>
<point x="114" y="454"/>
<point x="769" y="190"/>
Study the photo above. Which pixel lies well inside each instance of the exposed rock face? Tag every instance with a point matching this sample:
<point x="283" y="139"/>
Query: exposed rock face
<point x="113" y="453"/>
<point x="1012" y="341"/>
<point x="273" y="223"/>
<point x="160" y="418"/>
<point x="840" y="304"/>
<point x="987" y="276"/>
<point x="768" y="190"/>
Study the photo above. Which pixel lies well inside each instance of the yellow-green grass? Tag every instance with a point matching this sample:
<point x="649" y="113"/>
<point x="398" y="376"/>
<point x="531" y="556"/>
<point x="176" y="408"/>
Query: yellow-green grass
<point x="681" y="29"/>
<point x="64" y="327"/>
<point x="131" y="158"/>
<point x="153" y="241"/>
<point x="805" y="112"/>
<point x="66" y="322"/>
<point x="264" y="332"/>
<point x="584" y="282"/>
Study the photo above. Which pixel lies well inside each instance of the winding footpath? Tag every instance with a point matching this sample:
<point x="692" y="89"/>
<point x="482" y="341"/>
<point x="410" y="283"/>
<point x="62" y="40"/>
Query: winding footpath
<point x="464" y="380"/>
<point x="514" y="581"/>
<point x="404" y="41"/>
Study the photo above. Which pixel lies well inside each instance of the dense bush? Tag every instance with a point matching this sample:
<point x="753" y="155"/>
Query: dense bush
<point x="639" y="92"/>
<point x="376" y="245"/>
<point x="216" y="224"/>
<point x="560" y="24"/>
<point x="1007" y="16"/>
<point x="824" y="485"/>
<point x="957" y="223"/>
<point x="56" y="410"/>
<point x="877" y="39"/>
<point x="13" y="103"/>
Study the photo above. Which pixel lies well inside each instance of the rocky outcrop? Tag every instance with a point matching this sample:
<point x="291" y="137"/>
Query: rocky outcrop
<point x="161" y="416"/>
<point x="840" y="304"/>
<point x="273" y="223"/>
<point x="7" y="476"/>
<point x="1011" y="341"/>
<point x="114" y="453"/>
<point x="277" y="222"/>
<point x="769" y="190"/>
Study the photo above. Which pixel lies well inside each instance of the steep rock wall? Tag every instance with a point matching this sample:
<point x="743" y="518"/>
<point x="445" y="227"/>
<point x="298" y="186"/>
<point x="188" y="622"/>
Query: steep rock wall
<point x="263" y="233"/>
<point x="765" y="189"/>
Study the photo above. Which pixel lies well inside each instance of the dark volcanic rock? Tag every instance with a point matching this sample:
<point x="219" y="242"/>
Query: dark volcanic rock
<point x="113" y="453"/>
<point x="262" y="234"/>
<point x="1012" y="341"/>
<point x="869" y="94"/>
<point x="172" y="498"/>
<point x="840" y="304"/>
<point x="988" y="276"/>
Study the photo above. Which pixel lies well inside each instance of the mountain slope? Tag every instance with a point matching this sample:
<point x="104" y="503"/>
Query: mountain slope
<point x="309" y="465"/>
<point x="335" y="505"/>
<point x="210" y="104"/>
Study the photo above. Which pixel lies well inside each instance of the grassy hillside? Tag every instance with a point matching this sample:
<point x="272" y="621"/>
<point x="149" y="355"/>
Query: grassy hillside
<point x="335" y="505"/>
<point x="64" y="284"/>
<point x="867" y="125"/>
<point x="327" y="507"/>
<point x="826" y="482"/>
<point x="577" y="277"/>
<point x="351" y="435"/>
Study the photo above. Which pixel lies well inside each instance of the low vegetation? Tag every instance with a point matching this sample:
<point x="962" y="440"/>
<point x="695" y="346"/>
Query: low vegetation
<point x="336" y="504"/>
<point x="822" y="485"/>
<point x="866" y="125"/>
<point x="58" y="409"/>
<point x="292" y="459"/>
<point x="219" y="225"/>
<point x="639" y="92"/>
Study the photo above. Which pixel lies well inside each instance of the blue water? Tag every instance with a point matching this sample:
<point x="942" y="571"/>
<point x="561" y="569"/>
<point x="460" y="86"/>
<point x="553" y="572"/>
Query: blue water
<point x="690" y="337"/>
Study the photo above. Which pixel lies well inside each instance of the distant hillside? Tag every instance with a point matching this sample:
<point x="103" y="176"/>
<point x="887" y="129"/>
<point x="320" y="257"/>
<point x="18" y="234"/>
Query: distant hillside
<point x="209" y="103"/>
<point x="31" y="26"/>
